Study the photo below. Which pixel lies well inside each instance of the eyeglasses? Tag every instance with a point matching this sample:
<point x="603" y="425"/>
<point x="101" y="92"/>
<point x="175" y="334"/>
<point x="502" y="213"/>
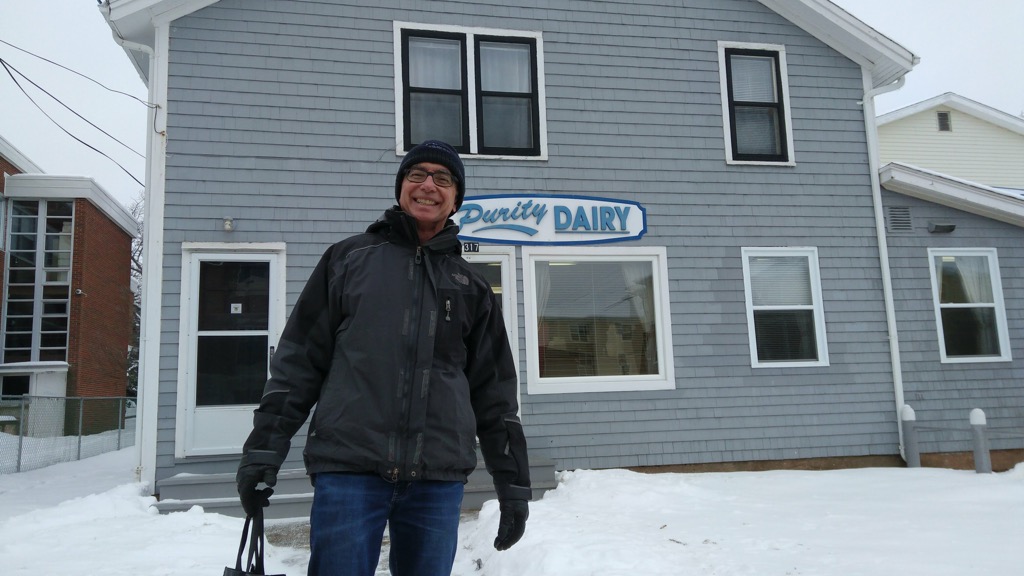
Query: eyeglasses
<point x="442" y="179"/>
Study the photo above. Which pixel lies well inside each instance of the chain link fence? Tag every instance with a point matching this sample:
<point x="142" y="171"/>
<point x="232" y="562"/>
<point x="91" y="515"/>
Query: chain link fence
<point x="38" y="431"/>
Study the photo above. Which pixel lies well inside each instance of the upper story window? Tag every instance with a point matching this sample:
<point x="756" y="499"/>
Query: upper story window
<point x="597" y="319"/>
<point x="969" y="311"/>
<point x="755" y="103"/>
<point x="785" y="316"/>
<point x="38" y="281"/>
<point x="480" y="90"/>
<point x="944" y="121"/>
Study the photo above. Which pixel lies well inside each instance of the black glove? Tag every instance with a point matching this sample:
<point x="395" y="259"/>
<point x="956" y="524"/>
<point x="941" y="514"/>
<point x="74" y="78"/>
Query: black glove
<point x="514" y="504"/>
<point x="512" y="524"/>
<point x="257" y="466"/>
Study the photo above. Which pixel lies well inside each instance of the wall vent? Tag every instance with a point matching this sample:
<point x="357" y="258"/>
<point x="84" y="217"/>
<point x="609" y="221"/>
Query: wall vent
<point x="897" y="219"/>
<point x="945" y="122"/>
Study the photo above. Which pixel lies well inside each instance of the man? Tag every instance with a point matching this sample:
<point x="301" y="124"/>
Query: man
<point x="401" y="346"/>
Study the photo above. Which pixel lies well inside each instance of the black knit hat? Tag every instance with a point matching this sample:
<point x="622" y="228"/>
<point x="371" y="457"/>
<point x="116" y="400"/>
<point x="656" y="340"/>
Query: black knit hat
<point x="436" y="152"/>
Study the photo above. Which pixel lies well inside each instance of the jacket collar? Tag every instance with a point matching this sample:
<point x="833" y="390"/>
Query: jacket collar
<point x="401" y="228"/>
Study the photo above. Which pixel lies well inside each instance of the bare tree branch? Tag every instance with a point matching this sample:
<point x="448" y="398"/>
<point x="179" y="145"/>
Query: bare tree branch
<point x="137" y="209"/>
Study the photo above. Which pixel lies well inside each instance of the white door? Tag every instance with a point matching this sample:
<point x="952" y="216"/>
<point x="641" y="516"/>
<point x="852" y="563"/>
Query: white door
<point x="498" y="265"/>
<point x="232" y="309"/>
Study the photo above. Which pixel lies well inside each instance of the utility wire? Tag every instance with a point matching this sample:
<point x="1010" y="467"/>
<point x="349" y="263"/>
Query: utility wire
<point x="9" y="69"/>
<point x="44" y="91"/>
<point x="144" y="103"/>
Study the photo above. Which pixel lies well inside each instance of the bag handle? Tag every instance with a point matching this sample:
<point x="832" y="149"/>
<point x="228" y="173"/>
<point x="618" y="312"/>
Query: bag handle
<point x="241" y="545"/>
<point x="254" y="559"/>
<point x="256" y="545"/>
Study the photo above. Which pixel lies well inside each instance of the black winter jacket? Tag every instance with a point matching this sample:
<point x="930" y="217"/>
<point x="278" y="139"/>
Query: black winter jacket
<point x="402" y="349"/>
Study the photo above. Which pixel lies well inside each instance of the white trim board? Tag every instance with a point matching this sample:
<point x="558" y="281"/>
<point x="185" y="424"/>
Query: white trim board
<point x="952" y="192"/>
<point x="49" y="187"/>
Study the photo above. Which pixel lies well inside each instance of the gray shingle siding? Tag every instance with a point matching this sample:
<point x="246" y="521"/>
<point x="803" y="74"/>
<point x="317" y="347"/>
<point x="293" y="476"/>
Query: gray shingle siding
<point x="943" y="395"/>
<point x="281" y="115"/>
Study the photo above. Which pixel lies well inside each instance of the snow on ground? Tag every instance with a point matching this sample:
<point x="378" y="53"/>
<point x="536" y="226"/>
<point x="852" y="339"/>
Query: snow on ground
<point x="29" y="452"/>
<point x="90" y="518"/>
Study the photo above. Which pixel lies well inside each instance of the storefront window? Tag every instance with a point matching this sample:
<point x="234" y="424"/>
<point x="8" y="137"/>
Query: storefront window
<point x="596" y="321"/>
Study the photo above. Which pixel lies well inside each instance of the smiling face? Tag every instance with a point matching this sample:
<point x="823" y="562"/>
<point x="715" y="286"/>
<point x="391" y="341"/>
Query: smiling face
<point x="428" y="203"/>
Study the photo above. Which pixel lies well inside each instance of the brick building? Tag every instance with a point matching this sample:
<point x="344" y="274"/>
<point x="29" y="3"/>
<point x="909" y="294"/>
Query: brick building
<point x="67" y="301"/>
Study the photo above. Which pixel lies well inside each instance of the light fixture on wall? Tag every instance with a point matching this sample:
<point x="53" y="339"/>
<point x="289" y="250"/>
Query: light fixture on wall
<point x="229" y="224"/>
<point x="941" y="227"/>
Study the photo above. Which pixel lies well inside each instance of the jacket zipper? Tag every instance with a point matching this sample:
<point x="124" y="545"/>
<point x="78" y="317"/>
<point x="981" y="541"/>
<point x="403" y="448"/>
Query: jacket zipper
<point x="412" y="348"/>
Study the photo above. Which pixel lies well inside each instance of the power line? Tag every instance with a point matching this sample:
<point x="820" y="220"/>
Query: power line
<point x="83" y="118"/>
<point x="7" y="67"/>
<point x="100" y="84"/>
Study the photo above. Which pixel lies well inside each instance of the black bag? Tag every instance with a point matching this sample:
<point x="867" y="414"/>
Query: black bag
<point x="256" y="544"/>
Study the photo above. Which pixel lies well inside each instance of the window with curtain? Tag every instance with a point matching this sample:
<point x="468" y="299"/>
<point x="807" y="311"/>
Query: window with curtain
<point x="436" y="90"/>
<point x="785" y="317"/>
<point x="506" y="98"/>
<point x="595" y="321"/>
<point x="970" y="316"/>
<point x="754" y="101"/>
<point x="478" y="92"/>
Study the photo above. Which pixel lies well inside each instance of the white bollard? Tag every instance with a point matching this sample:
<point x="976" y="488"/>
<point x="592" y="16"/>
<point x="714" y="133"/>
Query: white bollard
<point x="982" y="459"/>
<point x="911" y="450"/>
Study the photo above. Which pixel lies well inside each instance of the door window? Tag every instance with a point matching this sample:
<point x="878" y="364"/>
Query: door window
<point x="231" y="356"/>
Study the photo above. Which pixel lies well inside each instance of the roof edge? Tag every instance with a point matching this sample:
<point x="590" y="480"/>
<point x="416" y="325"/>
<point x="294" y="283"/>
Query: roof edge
<point x="961" y="104"/>
<point x="952" y="192"/>
<point x="16" y="157"/>
<point x="133" y="24"/>
<point x="42" y="186"/>
<point x="886" y="60"/>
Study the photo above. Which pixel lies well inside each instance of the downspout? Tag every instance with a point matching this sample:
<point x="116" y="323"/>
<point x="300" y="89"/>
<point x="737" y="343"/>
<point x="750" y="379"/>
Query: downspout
<point x="883" y="246"/>
<point x="146" y="423"/>
<point x="152" y="250"/>
<point x="126" y="44"/>
<point x="129" y="45"/>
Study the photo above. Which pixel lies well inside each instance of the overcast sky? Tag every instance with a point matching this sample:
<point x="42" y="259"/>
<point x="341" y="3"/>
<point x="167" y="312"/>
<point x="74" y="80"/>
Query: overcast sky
<point x="971" y="47"/>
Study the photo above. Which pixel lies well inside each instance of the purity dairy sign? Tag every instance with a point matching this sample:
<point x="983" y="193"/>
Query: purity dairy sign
<point x="548" y="219"/>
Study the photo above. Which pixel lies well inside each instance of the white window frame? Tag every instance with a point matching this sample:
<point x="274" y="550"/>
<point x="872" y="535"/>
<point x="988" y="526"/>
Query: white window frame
<point x="726" y="119"/>
<point x="811" y="253"/>
<point x="506" y="256"/>
<point x="992" y="257"/>
<point x="192" y="254"/>
<point x="657" y="256"/>
<point x="471" y="80"/>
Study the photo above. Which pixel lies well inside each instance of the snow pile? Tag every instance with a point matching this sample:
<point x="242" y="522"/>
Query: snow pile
<point x="89" y="517"/>
<point x="834" y="523"/>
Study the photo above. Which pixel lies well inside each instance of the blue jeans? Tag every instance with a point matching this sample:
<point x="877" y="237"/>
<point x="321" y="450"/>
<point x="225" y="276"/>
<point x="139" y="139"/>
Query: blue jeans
<point x="346" y="525"/>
